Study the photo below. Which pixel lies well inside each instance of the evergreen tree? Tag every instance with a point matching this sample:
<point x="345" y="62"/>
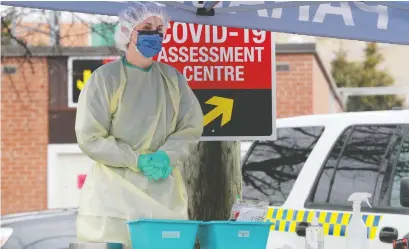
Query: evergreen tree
<point x="5" y="31"/>
<point x="366" y="74"/>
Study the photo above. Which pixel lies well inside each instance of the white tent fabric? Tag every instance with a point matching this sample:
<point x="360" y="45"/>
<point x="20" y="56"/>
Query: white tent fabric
<point x="367" y="21"/>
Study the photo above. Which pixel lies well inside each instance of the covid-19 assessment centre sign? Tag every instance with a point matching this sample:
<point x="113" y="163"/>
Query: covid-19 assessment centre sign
<point x="230" y="70"/>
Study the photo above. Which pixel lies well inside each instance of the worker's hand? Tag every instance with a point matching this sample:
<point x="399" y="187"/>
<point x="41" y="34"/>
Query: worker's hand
<point x="155" y="166"/>
<point x="161" y="161"/>
<point x="160" y="158"/>
<point x="145" y="165"/>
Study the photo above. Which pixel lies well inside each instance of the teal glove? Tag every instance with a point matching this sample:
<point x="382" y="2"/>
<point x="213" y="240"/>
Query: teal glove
<point x="161" y="163"/>
<point x="155" y="166"/>
<point x="145" y="165"/>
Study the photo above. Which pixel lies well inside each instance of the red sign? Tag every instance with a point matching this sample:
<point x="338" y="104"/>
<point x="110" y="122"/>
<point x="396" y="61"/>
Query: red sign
<point x="81" y="180"/>
<point x="105" y="61"/>
<point x="212" y="57"/>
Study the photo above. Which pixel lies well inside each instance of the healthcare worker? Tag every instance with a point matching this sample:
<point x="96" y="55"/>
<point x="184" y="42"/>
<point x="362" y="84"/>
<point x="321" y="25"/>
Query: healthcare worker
<point x="139" y="121"/>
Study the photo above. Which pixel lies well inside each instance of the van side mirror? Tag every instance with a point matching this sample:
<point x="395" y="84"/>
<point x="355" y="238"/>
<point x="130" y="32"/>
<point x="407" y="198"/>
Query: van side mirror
<point x="404" y="191"/>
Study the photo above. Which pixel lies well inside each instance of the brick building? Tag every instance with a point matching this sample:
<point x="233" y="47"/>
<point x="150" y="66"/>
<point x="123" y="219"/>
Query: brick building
<point x="75" y="34"/>
<point x="38" y="34"/>
<point x="35" y="115"/>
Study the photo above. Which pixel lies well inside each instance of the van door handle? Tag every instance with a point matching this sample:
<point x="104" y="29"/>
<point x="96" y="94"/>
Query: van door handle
<point x="388" y="234"/>
<point x="300" y="229"/>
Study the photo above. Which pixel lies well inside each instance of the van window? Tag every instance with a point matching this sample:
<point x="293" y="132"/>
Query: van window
<point x="356" y="164"/>
<point x="401" y="171"/>
<point x="272" y="167"/>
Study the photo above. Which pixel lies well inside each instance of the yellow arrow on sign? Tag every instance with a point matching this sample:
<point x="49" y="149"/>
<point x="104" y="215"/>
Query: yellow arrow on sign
<point x="224" y="107"/>
<point x="85" y="76"/>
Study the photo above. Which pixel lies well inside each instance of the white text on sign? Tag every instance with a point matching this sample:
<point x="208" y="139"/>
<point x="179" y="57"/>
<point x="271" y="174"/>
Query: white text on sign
<point x="209" y="52"/>
<point x="214" y="55"/>
<point x="210" y="34"/>
<point x="326" y="9"/>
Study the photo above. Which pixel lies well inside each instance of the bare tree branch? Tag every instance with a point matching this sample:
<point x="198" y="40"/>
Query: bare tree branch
<point x="17" y="32"/>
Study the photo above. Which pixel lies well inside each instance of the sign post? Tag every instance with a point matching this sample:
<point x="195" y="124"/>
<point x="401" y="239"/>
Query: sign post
<point x="79" y="71"/>
<point x="230" y="70"/>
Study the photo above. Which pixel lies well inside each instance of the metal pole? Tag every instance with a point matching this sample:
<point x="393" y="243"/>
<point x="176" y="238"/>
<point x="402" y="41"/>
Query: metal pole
<point x="210" y="5"/>
<point x="54" y="28"/>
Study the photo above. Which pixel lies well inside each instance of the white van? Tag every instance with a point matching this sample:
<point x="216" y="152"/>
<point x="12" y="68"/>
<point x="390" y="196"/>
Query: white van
<point x="318" y="161"/>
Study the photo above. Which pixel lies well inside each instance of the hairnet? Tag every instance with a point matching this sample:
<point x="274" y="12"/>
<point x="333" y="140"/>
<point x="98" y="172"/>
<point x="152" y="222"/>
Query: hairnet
<point x="133" y="16"/>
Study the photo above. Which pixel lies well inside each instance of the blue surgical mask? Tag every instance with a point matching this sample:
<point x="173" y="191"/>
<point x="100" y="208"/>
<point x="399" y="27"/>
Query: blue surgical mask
<point x="149" y="43"/>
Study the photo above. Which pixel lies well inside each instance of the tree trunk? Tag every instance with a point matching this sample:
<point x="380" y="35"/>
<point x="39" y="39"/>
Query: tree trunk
<point x="213" y="180"/>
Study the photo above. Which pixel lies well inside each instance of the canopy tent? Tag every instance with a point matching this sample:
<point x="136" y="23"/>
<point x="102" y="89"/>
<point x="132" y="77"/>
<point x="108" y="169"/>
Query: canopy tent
<point x="386" y="22"/>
